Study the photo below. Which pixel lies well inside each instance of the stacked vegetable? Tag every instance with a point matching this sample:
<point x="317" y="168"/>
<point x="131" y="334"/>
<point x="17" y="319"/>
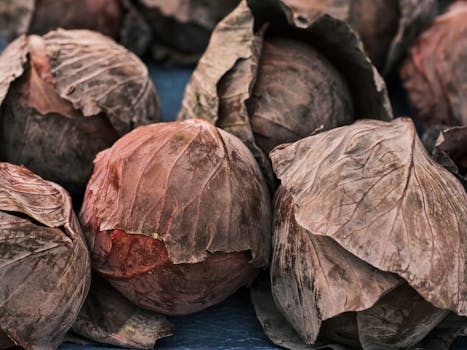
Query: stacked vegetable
<point x="285" y="172"/>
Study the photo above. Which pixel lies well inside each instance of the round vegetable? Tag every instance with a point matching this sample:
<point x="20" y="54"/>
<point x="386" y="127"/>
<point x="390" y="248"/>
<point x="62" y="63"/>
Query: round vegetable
<point x="66" y="96"/>
<point x="44" y="262"/>
<point x="177" y="216"/>
<point x="367" y="227"/>
<point x="434" y="73"/>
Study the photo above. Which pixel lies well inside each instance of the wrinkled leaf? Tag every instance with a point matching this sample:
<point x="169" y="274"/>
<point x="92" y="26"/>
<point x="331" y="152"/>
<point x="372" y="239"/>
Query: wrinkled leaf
<point x="373" y="189"/>
<point x="44" y="262"/>
<point x="44" y="132"/>
<point x="108" y="318"/>
<point x="177" y="216"/>
<point x="400" y="320"/>
<point x="344" y="49"/>
<point x="38" y="90"/>
<point x="435" y="72"/>
<point x="223" y="80"/>
<point x="96" y="75"/>
<point x="313" y="278"/>
<point x="136" y="185"/>
<point x="201" y="99"/>
<point x="42" y="201"/>
<point x="274" y="324"/>
<point x="58" y="136"/>
<point x="234" y="90"/>
<point x="450" y="151"/>
<point x="213" y="94"/>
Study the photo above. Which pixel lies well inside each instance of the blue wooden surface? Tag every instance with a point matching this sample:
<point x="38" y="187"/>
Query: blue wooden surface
<point x="230" y="325"/>
<point x="170" y="83"/>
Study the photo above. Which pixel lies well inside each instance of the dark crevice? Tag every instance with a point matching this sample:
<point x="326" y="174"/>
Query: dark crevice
<point x="32" y="220"/>
<point x="6" y="341"/>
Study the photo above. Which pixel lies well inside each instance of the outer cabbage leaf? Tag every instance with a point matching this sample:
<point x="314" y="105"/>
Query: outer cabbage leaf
<point x="12" y="59"/>
<point x="97" y="75"/>
<point x="373" y="189"/>
<point x="44" y="262"/>
<point x="313" y="278"/>
<point x="108" y="318"/>
<point x="274" y="324"/>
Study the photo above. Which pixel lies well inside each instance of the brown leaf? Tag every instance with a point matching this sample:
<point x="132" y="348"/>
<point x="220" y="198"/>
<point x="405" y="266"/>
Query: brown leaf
<point x="24" y="192"/>
<point x="108" y="318"/>
<point x="343" y="49"/>
<point x="177" y="216"/>
<point x="274" y="324"/>
<point x="38" y="90"/>
<point x="373" y="189"/>
<point x="315" y="279"/>
<point x="223" y="101"/>
<point x="13" y="59"/>
<point x="201" y="99"/>
<point x="58" y="136"/>
<point x="44" y="262"/>
<point x="400" y="320"/>
<point x="234" y="91"/>
<point x="97" y="75"/>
